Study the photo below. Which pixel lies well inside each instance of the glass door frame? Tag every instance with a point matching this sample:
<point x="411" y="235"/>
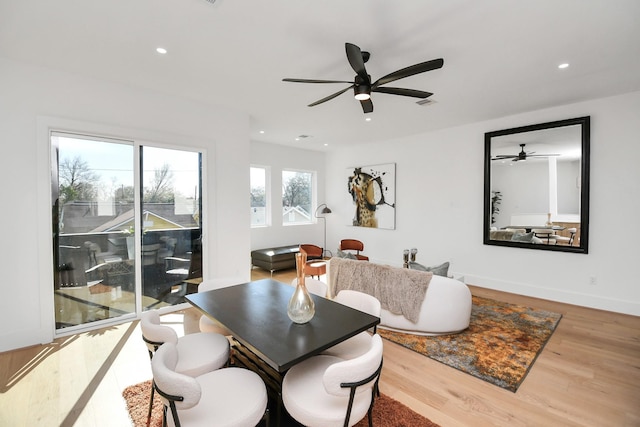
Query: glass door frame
<point x="137" y="144"/>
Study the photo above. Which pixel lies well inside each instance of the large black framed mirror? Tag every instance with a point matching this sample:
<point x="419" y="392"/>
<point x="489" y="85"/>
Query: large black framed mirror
<point x="536" y="186"/>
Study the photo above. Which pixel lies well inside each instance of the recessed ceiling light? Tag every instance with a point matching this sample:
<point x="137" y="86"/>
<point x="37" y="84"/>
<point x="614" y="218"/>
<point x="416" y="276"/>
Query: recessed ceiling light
<point x="297" y="139"/>
<point x="368" y="119"/>
<point x="326" y="145"/>
<point x="261" y="131"/>
<point x="563" y="65"/>
<point x="161" y="50"/>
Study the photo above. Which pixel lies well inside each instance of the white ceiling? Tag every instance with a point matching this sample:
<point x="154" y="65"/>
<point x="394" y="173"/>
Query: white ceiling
<point x="500" y="56"/>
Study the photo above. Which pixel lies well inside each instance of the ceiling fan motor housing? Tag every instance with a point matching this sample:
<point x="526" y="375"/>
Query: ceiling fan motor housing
<point x="361" y="88"/>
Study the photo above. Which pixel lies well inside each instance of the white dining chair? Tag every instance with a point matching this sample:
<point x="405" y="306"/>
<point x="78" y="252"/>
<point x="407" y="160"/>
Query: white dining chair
<point x="358" y="344"/>
<point x="205" y="323"/>
<point x="328" y="391"/>
<point x="314" y="286"/>
<point x="227" y="397"/>
<point x="199" y="352"/>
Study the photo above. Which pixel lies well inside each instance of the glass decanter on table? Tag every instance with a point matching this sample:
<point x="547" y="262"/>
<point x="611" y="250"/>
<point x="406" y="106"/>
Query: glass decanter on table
<point x="301" y="307"/>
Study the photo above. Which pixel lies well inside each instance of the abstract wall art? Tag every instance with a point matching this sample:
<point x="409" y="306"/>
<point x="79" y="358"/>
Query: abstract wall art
<point x="372" y="195"/>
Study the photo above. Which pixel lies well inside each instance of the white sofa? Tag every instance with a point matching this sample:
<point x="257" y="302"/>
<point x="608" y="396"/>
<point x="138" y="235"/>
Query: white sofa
<point x="445" y="309"/>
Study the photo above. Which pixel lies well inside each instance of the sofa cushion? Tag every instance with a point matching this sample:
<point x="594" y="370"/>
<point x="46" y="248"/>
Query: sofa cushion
<point x="440" y="270"/>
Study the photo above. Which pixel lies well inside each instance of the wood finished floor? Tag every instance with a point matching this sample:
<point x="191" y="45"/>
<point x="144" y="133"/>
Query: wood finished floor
<point x="587" y="375"/>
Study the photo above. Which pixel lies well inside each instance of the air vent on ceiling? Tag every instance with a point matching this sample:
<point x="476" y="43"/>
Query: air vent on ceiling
<point x="304" y="136"/>
<point x="426" y="101"/>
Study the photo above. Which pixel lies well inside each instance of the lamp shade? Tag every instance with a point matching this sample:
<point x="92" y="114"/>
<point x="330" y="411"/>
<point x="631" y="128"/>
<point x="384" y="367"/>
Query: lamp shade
<point x="322" y="209"/>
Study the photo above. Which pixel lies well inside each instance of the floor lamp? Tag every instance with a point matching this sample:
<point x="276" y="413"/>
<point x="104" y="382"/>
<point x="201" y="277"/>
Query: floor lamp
<point x="324" y="211"/>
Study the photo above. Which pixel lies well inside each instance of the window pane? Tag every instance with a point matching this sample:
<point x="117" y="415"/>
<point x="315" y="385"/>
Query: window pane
<point x="171" y="239"/>
<point x="95" y="273"/>
<point x="258" y="181"/>
<point x="297" y="196"/>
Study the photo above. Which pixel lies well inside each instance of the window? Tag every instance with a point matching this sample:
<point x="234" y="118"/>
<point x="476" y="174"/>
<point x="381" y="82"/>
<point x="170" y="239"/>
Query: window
<point x="258" y="184"/>
<point x="97" y="223"/>
<point x="297" y="197"/>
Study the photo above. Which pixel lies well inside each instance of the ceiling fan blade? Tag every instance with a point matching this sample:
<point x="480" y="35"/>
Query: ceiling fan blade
<point x="314" y="81"/>
<point x="404" y="92"/>
<point x="330" y="97"/>
<point x="542" y="155"/>
<point x="410" y="71"/>
<point x="354" y="55"/>
<point x="367" y="105"/>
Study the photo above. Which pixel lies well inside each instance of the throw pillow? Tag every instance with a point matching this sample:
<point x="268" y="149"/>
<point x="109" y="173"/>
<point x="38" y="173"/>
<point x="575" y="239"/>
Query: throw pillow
<point x="347" y="255"/>
<point x="526" y="237"/>
<point x="439" y="270"/>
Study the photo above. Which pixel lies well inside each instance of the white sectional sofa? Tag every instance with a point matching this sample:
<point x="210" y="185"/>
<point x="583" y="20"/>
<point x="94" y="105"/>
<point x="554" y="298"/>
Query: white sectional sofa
<point x="444" y="309"/>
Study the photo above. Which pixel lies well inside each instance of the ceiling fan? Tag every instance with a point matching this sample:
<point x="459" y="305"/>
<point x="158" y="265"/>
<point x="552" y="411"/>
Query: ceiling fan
<point x="522" y="155"/>
<point x="362" y="85"/>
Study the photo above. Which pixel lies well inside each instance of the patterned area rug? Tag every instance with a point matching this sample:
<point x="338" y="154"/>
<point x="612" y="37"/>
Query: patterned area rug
<point x="387" y="412"/>
<point x="500" y="345"/>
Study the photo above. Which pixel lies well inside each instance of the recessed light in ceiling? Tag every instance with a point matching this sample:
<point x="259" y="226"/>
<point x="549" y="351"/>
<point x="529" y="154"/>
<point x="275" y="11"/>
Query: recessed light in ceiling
<point x="161" y="50"/>
<point x="368" y="119"/>
<point x="261" y="131"/>
<point x="563" y="65"/>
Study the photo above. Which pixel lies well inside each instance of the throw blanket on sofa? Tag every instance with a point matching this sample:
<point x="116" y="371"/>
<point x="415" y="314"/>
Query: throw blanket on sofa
<point x="399" y="290"/>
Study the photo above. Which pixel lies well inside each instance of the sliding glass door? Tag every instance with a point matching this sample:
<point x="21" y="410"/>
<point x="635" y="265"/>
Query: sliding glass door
<point x="122" y="244"/>
<point x="171" y="230"/>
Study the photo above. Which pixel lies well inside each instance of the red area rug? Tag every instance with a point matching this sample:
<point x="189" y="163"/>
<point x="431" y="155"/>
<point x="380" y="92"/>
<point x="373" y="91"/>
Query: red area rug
<point x="387" y="412"/>
<point x="500" y="345"/>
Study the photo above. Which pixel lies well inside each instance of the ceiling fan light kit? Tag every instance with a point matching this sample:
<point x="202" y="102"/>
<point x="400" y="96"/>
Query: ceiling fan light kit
<point x="362" y="92"/>
<point x="362" y="85"/>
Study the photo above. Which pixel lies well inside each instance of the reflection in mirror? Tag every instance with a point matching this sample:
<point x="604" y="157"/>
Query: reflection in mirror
<point x="536" y="192"/>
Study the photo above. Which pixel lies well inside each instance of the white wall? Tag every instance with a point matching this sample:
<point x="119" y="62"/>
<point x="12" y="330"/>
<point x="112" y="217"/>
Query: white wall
<point x="439" y="196"/>
<point x="30" y="97"/>
<point x="277" y="158"/>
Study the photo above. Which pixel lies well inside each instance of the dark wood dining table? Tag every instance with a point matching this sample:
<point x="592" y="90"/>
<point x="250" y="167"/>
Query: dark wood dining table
<point x="256" y="315"/>
<point x="264" y="339"/>
<point x="528" y="228"/>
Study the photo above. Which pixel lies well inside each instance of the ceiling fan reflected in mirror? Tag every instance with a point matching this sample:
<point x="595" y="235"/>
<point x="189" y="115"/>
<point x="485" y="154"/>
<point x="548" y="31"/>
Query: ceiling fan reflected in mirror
<point x="522" y="155"/>
<point x="363" y="86"/>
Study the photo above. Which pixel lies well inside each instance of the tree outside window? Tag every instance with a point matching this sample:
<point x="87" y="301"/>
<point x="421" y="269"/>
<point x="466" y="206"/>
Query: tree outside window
<point x="297" y="197"/>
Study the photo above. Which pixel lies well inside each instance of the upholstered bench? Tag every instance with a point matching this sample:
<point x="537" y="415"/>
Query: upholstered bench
<point x="273" y="259"/>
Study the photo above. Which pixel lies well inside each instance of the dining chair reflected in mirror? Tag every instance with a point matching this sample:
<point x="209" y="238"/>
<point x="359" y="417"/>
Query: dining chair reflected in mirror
<point x="567" y="240"/>
<point x="547" y="235"/>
